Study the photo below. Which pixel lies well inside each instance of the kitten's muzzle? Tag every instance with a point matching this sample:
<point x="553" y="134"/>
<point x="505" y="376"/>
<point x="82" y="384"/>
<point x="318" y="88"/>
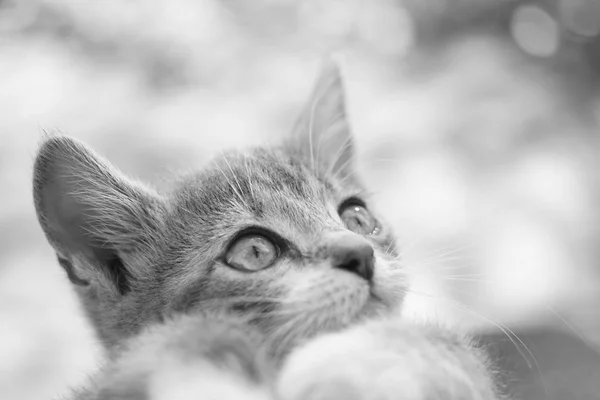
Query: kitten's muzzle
<point x="352" y="253"/>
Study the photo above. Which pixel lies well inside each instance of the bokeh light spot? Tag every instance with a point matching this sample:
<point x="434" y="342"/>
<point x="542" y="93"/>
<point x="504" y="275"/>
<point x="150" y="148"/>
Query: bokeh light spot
<point x="535" y="31"/>
<point x="581" y="16"/>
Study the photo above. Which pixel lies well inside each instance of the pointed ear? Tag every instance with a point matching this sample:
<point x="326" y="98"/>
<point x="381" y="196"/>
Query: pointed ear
<point x="322" y="133"/>
<point x="93" y="216"/>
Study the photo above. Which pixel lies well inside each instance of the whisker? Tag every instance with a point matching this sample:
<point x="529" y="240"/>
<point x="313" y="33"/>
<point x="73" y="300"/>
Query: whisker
<point x="514" y="338"/>
<point x="446" y="264"/>
<point x="461" y="279"/>
<point x="450" y="249"/>
<point x="457" y="271"/>
<point x="416" y="268"/>
<point x="387" y="250"/>
<point x="442" y="263"/>
<point x="454" y="279"/>
<point x="235" y="179"/>
<point x="344" y="179"/>
<point x="458" y="267"/>
<point x="413" y="244"/>
<point x="575" y="331"/>
<point x="239" y="195"/>
<point x="248" y="174"/>
<point x="452" y="252"/>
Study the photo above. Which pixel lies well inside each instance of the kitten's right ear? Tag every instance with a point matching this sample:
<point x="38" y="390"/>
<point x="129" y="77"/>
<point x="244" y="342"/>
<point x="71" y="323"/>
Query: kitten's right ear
<point x="322" y="132"/>
<point x="93" y="216"/>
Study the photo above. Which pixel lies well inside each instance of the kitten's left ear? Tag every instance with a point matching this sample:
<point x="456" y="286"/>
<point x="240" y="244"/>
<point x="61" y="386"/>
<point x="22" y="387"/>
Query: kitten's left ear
<point x="322" y="133"/>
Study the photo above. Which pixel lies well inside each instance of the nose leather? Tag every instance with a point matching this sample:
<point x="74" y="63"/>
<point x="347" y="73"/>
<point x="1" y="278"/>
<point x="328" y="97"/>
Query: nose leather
<point x="351" y="252"/>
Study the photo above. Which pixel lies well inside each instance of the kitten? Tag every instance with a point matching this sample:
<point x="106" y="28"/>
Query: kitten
<point x="204" y="290"/>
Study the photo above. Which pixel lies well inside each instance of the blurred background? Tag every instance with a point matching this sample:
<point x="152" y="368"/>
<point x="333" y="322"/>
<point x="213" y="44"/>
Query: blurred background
<point x="477" y="128"/>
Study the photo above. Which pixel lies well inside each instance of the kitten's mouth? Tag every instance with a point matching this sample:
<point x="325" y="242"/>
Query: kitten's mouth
<point x="373" y="296"/>
<point x="373" y="306"/>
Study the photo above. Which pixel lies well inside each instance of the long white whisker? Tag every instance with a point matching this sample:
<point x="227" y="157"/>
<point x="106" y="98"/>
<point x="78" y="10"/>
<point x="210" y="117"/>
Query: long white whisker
<point x="575" y="331"/>
<point x="514" y="338"/>
<point x="236" y="180"/>
<point x="248" y="174"/>
<point x="451" y="252"/>
<point x="413" y="244"/>
<point x="389" y="247"/>
<point x="238" y="194"/>
<point x="443" y="263"/>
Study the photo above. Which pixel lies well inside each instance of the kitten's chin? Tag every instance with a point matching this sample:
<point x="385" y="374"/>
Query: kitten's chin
<point x="326" y="303"/>
<point x="373" y="307"/>
<point x="369" y="306"/>
<point x="310" y="328"/>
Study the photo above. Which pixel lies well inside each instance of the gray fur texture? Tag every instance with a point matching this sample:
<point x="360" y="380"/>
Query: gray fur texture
<point x="150" y="270"/>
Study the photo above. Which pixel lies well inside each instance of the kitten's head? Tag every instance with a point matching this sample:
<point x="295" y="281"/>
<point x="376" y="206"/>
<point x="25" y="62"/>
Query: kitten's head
<point x="284" y="237"/>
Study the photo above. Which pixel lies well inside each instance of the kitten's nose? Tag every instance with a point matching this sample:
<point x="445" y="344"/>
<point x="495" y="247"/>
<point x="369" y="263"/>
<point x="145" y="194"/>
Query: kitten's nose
<point x="351" y="252"/>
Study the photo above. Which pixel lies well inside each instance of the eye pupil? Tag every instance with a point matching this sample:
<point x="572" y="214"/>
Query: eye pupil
<point x="251" y="253"/>
<point x="358" y="219"/>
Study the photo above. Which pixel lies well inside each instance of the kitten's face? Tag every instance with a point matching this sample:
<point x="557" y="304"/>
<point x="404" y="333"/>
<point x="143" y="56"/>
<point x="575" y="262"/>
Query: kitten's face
<point x="267" y="235"/>
<point x="284" y="237"/>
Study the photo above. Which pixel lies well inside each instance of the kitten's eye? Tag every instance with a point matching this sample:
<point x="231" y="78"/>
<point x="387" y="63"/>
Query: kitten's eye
<point x="358" y="219"/>
<point x="251" y="253"/>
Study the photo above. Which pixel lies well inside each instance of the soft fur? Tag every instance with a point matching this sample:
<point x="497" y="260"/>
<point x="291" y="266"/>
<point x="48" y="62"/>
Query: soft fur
<point x="150" y="272"/>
